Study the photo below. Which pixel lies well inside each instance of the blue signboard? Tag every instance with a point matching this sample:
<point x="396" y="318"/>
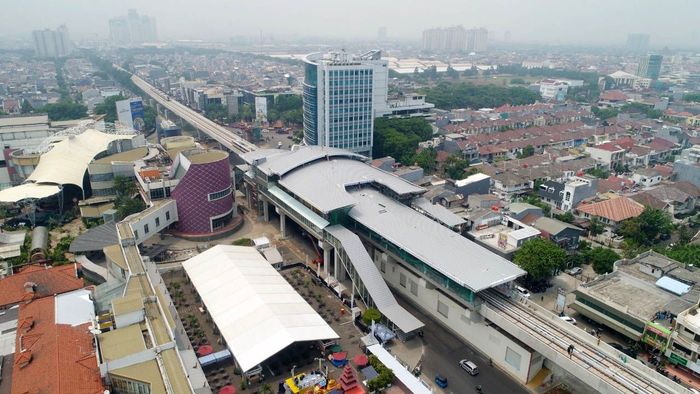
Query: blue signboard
<point x="137" y="114"/>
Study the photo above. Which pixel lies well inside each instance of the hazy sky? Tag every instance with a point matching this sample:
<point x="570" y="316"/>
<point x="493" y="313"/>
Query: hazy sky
<point x="603" y="22"/>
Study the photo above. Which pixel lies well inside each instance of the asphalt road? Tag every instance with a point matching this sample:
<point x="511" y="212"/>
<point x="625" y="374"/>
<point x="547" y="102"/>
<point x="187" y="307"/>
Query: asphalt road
<point x="443" y="350"/>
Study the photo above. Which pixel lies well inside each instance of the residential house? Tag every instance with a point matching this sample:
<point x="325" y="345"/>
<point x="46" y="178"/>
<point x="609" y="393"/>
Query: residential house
<point x="38" y="281"/>
<point x="608" y="154"/>
<point x="519" y="210"/>
<point x="565" y="195"/>
<point x="563" y="234"/>
<point x="614" y="184"/>
<point x="646" y="177"/>
<point x="476" y="201"/>
<point x="677" y="198"/>
<point x="610" y="212"/>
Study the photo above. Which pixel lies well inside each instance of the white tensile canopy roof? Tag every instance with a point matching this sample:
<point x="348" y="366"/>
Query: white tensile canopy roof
<point x="68" y="160"/>
<point x="256" y="310"/>
<point x="27" y="190"/>
<point x="65" y="163"/>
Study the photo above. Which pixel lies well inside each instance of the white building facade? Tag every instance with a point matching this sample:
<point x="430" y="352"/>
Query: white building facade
<point x="342" y="96"/>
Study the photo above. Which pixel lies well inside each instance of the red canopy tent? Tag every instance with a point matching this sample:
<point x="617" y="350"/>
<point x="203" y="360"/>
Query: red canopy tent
<point x="360" y="360"/>
<point x="227" y="390"/>
<point x="205" y="350"/>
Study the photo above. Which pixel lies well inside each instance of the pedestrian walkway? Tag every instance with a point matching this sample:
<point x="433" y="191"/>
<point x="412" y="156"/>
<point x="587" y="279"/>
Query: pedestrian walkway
<point x="409" y="352"/>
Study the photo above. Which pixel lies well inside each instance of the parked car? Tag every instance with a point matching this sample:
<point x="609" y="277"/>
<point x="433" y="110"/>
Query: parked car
<point x="469" y="366"/>
<point x="575" y="271"/>
<point x="568" y="319"/>
<point x="522" y="291"/>
<point x="441" y="381"/>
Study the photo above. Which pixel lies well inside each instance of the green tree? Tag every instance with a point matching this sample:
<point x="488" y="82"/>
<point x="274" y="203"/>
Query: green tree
<point x="25" y="108"/>
<point x="452" y="73"/>
<point x="447" y="95"/>
<point x="692" y="97"/>
<point x="471" y="72"/>
<point x="371" y="314"/>
<point x="109" y="108"/>
<point x="602" y="259"/>
<point x="645" y="228"/>
<point x="566" y="217"/>
<point x="596" y="227"/>
<point x="216" y="112"/>
<point x="598" y="173"/>
<point x="687" y="254"/>
<point x="64" y="110"/>
<point x="454" y="167"/>
<point x="149" y="117"/>
<point x="426" y="159"/>
<point x="518" y="81"/>
<point x="684" y="234"/>
<point x="540" y="258"/>
<point x="247" y="112"/>
<point x="604" y="113"/>
<point x="527" y="151"/>
<point x="399" y="138"/>
<point x="125" y="203"/>
<point x="536" y="201"/>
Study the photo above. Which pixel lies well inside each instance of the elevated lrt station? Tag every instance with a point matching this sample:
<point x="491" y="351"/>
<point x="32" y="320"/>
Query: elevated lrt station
<point x="376" y="238"/>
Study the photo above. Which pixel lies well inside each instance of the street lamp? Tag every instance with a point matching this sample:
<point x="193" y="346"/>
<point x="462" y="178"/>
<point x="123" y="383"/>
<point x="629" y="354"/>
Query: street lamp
<point x="293" y="368"/>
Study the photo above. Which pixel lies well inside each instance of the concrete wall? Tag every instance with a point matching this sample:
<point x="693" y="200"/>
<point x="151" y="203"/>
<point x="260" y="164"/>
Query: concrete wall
<point x="467" y="324"/>
<point x="156" y="220"/>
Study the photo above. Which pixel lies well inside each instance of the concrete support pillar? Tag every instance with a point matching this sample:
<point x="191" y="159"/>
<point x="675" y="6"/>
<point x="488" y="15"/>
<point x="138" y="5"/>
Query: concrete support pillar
<point x="339" y="271"/>
<point x="326" y="263"/>
<point x="283" y="225"/>
<point x="266" y="210"/>
<point x="326" y="256"/>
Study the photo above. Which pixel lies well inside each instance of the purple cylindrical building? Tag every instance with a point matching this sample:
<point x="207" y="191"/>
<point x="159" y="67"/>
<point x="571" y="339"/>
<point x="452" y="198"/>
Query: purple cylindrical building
<point x="203" y="194"/>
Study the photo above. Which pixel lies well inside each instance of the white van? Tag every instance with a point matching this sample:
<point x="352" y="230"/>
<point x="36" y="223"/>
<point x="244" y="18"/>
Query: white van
<point x="522" y="291"/>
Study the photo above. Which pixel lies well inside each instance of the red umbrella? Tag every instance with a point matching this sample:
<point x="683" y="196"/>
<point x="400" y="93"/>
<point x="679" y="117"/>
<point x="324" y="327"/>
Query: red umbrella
<point x="340" y="356"/>
<point x="204" y="350"/>
<point x="227" y="390"/>
<point x="360" y="360"/>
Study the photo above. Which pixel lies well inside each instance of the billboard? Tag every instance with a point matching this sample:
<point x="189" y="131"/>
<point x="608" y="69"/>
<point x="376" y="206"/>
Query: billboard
<point x="130" y="113"/>
<point x="261" y="108"/>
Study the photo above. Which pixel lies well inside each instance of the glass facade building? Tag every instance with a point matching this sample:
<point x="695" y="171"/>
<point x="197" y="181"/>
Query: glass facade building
<point x="342" y="96"/>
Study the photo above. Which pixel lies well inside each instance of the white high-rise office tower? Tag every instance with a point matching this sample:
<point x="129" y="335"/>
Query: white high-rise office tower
<point x="342" y="96"/>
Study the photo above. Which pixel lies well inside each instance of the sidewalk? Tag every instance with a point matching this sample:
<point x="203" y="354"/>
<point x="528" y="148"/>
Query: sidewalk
<point x="410" y="352"/>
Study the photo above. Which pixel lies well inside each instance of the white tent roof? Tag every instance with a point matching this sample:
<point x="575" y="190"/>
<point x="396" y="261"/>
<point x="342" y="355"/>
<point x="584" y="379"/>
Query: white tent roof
<point x="68" y="160"/>
<point x="256" y="310"/>
<point x="27" y="190"/>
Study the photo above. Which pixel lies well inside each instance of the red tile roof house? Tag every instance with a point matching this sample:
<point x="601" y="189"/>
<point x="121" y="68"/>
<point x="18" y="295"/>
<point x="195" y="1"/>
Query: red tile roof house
<point x="611" y="212"/>
<point x="38" y="281"/>
<point x="55" y="351"/>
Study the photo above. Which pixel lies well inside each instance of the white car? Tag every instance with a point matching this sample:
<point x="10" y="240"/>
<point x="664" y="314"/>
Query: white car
<point x="568" y="319"/>
<point x="575" y="271"/>
<point x="522" y="291"/>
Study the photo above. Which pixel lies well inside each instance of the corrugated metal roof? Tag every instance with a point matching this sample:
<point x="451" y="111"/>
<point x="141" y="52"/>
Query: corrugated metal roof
<point x="674" y="286"/>
<point x="324" y="184"/>
<point x="373" y="281"/>
<point x="449" y="253"/>
<point x="95" y="238"/>
<point x="438" y="212"/>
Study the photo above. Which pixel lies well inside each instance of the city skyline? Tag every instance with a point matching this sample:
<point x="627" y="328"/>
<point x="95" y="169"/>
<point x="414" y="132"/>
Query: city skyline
<point x="219" y="20"/>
